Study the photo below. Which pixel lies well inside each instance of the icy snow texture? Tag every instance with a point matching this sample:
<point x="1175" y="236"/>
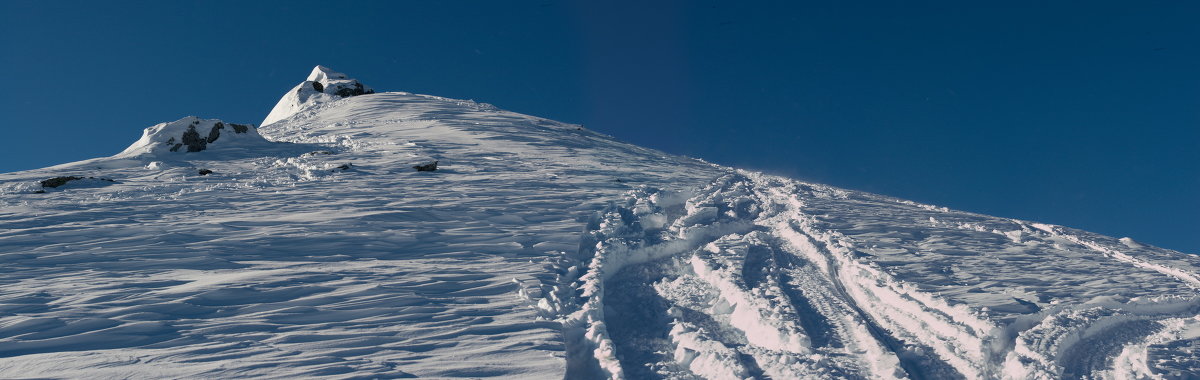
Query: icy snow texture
<point x="316" y="251"/>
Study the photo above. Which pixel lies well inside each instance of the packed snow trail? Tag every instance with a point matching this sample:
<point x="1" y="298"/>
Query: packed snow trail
<point x="765" y="277"/>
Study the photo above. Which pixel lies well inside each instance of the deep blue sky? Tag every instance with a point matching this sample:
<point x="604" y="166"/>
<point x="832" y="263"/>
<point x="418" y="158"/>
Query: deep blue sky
<point x="1084" y="114"/>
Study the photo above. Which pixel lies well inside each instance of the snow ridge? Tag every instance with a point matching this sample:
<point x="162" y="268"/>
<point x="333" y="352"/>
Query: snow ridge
<point x="1191" y="278"/>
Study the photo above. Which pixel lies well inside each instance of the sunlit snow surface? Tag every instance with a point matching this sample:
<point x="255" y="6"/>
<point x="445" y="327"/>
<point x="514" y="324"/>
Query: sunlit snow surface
<point x="543" y="250"/>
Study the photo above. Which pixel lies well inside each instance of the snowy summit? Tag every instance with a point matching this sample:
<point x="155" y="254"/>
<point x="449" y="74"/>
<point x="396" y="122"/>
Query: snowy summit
<point x="322" y="85"/>
<point x="387" y="235"/>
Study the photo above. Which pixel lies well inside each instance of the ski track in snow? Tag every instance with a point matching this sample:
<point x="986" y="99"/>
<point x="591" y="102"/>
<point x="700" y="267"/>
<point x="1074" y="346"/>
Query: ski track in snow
<point x="540" y="249"/>
<point x="764" y="277"/>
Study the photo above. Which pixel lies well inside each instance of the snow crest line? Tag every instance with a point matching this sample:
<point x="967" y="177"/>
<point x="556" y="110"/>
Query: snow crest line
<point x="1192" y="279"/>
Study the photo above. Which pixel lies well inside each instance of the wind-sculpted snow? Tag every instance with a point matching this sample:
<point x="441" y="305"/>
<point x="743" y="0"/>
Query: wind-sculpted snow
<point x="312" y="248"/>
<point x="764" y="277"/>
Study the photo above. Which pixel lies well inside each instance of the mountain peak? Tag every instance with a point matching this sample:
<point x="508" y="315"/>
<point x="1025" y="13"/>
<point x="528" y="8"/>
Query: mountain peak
<point x="321" y="73"/>
<point x="322" y="85"/>
<point x="325" y="80"/>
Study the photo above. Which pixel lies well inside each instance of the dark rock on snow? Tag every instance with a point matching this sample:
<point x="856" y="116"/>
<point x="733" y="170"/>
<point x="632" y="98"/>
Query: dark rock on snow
<point x="191" y="138"/>
<point x="215" y="132"/>
<point x="426" y="167"/>
<point x="59" y="181"/>
<point x="346" y="92"/>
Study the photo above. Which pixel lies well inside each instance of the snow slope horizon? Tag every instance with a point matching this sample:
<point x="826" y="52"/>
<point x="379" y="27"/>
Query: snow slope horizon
<point x="540" y="249"/>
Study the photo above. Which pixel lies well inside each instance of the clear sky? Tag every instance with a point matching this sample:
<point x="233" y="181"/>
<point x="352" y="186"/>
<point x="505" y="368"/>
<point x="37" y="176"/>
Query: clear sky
<point x="1085" y="114"/>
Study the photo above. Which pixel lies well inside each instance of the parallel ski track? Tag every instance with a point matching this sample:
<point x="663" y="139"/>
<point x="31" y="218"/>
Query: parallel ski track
<point x="837" y="328"/>
<point x="793" y="211"/>
<point x="797" y="273"/>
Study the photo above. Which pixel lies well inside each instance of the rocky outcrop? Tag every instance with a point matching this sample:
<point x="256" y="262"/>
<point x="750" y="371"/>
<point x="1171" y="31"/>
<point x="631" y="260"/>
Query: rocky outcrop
<point x="354" y="90"/>
<point x="191" y="138"/>
<point x="192" y="134"/>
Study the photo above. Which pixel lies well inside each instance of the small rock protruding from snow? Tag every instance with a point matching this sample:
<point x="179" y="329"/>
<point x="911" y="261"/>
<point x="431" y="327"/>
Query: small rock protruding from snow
<point x="429" y="167"/>
<point x="193" y="134"/>
<point x="60" y="181"/>
<point x="322" y="85"/>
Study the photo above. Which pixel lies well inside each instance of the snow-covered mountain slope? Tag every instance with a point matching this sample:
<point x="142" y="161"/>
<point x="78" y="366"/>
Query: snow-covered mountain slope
<point x="310" y="247"/>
